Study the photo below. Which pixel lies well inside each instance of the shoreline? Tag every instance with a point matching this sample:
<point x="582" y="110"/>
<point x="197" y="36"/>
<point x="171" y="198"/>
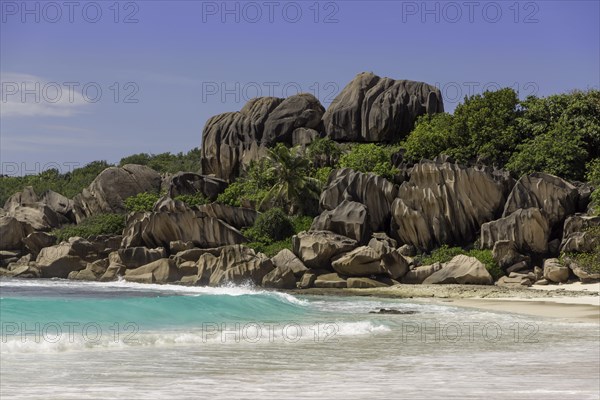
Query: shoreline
<point x="572" y="302"/>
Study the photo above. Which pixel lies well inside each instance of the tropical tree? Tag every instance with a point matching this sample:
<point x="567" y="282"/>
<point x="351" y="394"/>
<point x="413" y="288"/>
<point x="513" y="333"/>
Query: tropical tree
<point x="294" y="190"/>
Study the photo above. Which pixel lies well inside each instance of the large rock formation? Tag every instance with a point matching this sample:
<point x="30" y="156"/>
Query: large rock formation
<point x="317" y="248"/>
<point x="374" y="109"/>
<point x="188" y="183"/>
<point x="107" y="193"/>
<point x="445" y="203"/>
<point x="159" y="229"/>
<point x="555" y="196"/>
<point x="239" y="217"/>
<point x="375" y="192"/>
<point x="579" y="235"/>
<point x="347" y="219"/>
<point x="528" y="229"/>
<point x="232" y="264"/>
<point x="12" y="232"/>
<point x="159" y="271"/>
<point x="461" y="269"/>
<point x="232" y="140"/>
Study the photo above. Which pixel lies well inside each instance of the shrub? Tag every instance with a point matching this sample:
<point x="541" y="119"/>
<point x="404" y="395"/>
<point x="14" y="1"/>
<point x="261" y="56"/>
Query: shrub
<point x="102" y="224"/>
<point x="486" y="258"/>
<point x="271" y="249"/>
<point x="322" y="175"/>
<point x="324" y="152"/>
<point x="167" y="162"/>
<point x="593" y="176"/>
<point x="271" y="226"/>
<point x="433" y="135"/>
<point x="251" y="188"/>
<point x="442" y="255"/>
<point x="141" y="202"/>
<point x="193" y="199"/>
<point x="301" y="223"/>
<point x="371" y="157"/>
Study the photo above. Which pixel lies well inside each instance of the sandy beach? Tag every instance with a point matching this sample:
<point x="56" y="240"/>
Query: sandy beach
<point x="575" y="302"/>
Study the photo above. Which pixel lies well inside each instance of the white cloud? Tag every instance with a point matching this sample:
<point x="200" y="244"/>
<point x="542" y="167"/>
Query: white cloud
<point x="24" y="95"/>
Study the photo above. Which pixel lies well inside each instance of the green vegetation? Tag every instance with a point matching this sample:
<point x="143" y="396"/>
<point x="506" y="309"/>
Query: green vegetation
<point x="324" y="152"/>
<point x="68" y="184"/>
<point x="371" y="157"/>
<point x="445" y="253"/>
<point x="193" y="199"/>
<point x="593" y="177"/>
<point x="167" y="162"/>
<point x="102" y="224"/>
<point x="556" y="134"/>
<point x="142" y="202"/>
<point x="588" y="261"/>
<point x="273" y="231"/>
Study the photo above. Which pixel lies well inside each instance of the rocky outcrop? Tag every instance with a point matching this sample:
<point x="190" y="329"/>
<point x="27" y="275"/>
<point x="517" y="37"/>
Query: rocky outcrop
<point x="347" y="219"/>
<point x="134" y="257"/>
<point x="92" y="272"/>
<point x="232" y="264"/>
<point x="416" y="275"/>
<point x="188" y="183"/>
<point x="364" y="283"/>
<point x="59" y="204"/>
<point x="285" y="259"/>
<point x="366" y="261"/>
<point x="317" y="248"/>
<point x="304" y="136"/>
<point x="579" y="234"/>
<point x="555" y="271"/>
<point x="375" y="192"/>
<point x="231" y="140"/>
<point x="527" y="229"/>
<point x="506" y="255"/>
<point x="36" y="241"/>
<point x="461" y="269"/>
<point x="555" y="196"/>
<point x="107" y="193"/>
<point x="12" y="233"/>
<point x="374" y="109"/>
<point x="445" y="203"/>
<point x="239" y="217"/>
<point x="280" y="278"/>
<point x="330" y="281"/>
<point x="158" y="229"/>
<point x="159" y="271"/>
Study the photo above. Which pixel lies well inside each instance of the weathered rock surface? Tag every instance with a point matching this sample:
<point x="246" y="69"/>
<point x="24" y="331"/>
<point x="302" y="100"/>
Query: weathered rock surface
<point x="348" y="219"/>
<point x="286" y="259"/>
<point x="158" y="229"/>
<point x="374" y="109"/>
<point x="445" y="203"/>
<point x="330" y="281"/>
<point x="461" y="269"/>
<point x="189" y="183"/>
<point x="554" y="271"/>
<point x="515" y="282"/>
<point x="577" y="236"/>
<point x="159" y="271"/>
<point x="178" y="246"/>
<point x="12" y="232"/>
<point x="307" y="280"/>
<point x="231" y="140"/>
<point x="362" y="261"/>
<point x="506" y="255"/>
<point x="555" y="196"/>
<point x="280" y="278"/>
<point x="304" y="136"/>
<point x="36" y="241"/>
<point x="134" y="257"/>
<point x="92" y="272"/>
<point x="107" y="193"/>
<point x="233" y="264"/>
<point x="585" y="275"/>
<point x="364" y="283"/>
<point x="239" y="217"/>
<point x="417" y="275"/>
<point x="38" y="216"/>
<point x="528" y="229"/>
<point x="317" y="248"/>
<point x="375" y="192"/>
<point x="59" y="204"/>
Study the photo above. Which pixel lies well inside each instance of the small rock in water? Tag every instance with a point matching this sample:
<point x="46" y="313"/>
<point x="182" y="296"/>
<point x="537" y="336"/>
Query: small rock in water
<point x="392" y="311"/>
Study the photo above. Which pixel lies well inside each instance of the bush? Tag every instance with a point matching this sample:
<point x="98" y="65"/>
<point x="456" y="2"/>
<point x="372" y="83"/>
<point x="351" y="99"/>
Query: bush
<point x="445" y="254"/>
<point x="485" y="257"/>
<point x="193" y="199"/>
<point x="593" y="176"/>
<point x="167" y="162"/>
<point x="141" y="202"/>
<point x="371" y="158"/>
<point x="301" y="223"/>
<point x="442" y="255"/>
<point x="324" y="152"/>
<point x="433" y="135"/>
<point x="271" y="226"/>
<point x="322" y="175"/>
<point x="102" y="224"/>
<point x="251" y="188"/>
<point x="271" y="249"/>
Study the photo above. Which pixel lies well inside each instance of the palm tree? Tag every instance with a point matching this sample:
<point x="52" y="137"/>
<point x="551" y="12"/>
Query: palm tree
<point x="293" y="190"/>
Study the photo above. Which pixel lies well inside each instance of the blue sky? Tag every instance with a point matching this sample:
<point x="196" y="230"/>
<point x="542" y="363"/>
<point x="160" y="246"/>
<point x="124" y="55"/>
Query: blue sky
<point x="165" y="67"/>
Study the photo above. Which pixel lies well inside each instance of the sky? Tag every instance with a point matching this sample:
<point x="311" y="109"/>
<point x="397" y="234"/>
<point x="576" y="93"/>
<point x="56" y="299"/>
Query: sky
<point x="100" y="80"/>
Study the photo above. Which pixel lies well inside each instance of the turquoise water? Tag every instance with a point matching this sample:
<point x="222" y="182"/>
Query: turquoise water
<point x="75" y="340"/>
